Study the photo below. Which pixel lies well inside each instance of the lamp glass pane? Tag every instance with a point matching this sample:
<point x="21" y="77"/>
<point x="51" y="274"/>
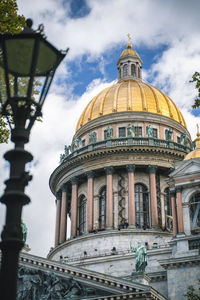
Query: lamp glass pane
<point x="22" y="86"/>
<point x="47" y="59"/>
<point x="18" y="86"/>
<point x="19" y="55"/>
<point x="3" y="92"/>
<point x="38" y="84"/>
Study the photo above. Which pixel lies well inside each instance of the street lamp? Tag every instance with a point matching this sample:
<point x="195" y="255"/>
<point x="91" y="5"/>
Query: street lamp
<point x="27" y="66"/>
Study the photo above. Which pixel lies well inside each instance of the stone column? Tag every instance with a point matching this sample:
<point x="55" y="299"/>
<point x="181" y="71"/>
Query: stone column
<point x="179" y="210"/>
<point x="129" y="69"/>
<point x="90" y="201"/>
<point x="109" y="197"/>
<point x="96" y="212"/>
<point x="115" y="209"/>
<point x="74" y="206"/>
<point x="162" y="202"/>
<point x="58" y="210"/>
<point x="63" y="219"/>
<point x="153" y="196"/>
<point x="174" y="215"/>
<point x="131" y="195"/>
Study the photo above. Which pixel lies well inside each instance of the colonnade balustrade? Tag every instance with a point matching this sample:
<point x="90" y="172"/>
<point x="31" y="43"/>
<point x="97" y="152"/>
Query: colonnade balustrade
<point x="91" y="218"/>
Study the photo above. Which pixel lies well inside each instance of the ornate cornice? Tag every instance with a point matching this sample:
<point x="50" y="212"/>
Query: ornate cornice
<point x="79" y="160"/>
<point x="179" y="261"/>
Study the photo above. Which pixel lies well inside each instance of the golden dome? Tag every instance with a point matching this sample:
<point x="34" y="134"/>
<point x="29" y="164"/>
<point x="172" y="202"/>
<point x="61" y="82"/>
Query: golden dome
<point x="196" y="152"/>
<point x="129" y="51"/>
<point x="130" y="95"/>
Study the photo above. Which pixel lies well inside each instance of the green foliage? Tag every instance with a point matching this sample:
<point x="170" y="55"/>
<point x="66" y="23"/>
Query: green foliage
<point x="192" y="294"/>
<point x="10" y="22"/>
<point x="196" y="79"/>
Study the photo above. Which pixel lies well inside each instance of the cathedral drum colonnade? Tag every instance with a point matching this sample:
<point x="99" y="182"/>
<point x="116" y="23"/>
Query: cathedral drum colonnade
<point x="111" y="182"/>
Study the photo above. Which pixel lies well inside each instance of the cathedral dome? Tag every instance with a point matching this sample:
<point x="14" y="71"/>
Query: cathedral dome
<point x="196" y="152"/>
<point x="130" y="95"/>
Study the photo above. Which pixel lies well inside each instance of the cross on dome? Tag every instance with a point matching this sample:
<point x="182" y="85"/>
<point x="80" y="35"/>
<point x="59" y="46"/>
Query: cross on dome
<point x="129" y="46"/>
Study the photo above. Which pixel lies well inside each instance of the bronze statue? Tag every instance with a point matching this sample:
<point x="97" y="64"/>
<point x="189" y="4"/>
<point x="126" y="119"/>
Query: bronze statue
<point x="109" y="133"/>
<point x="130" y="130"/>
<point x="149" y="131"/>
<point x="140" y="257"/>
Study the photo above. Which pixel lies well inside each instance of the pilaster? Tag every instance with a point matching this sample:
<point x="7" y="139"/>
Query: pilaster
<point x="179" y="209"/>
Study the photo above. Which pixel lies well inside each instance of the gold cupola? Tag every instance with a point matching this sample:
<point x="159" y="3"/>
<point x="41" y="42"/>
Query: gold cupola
<point x="129" y="64"/>
<point x="130" y="93"/>
<point x="196" y="152"/>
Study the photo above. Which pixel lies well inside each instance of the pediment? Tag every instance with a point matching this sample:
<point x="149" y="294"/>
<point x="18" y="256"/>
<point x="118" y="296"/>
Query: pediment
<point x="189" y="167"/>
<point x="56" y="280"/>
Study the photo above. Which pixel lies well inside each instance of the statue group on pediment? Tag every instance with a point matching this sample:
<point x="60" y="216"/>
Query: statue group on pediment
<point x="34" y="285"/>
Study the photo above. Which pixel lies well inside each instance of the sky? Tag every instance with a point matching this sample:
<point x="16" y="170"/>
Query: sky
<point x="164" y="33"/>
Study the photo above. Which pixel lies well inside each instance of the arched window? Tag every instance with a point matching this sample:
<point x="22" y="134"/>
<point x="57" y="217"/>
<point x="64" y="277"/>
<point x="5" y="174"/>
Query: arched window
<point x="133" y="70"/>
<point x="102" y="208"/>
<point x="125" y="70"/>
<point x="138" y="72"/>
<point x="141" y="206"/>
<point x="82" y="214"/>
<point x="195" y="211"/>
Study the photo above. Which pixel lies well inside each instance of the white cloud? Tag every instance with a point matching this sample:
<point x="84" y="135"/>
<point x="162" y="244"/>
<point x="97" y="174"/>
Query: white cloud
<point x="47" y="141"/>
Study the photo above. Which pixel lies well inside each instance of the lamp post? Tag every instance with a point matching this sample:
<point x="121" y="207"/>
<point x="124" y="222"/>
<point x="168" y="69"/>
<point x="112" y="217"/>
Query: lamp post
<point x="28" y="63"/>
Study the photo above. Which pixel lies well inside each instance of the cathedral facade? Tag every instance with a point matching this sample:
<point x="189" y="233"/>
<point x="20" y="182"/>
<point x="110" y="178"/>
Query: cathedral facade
<point x="130" y="177"/>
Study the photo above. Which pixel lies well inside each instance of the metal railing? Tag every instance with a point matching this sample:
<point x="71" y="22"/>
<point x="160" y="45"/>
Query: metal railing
<point x="126" y="141"/>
